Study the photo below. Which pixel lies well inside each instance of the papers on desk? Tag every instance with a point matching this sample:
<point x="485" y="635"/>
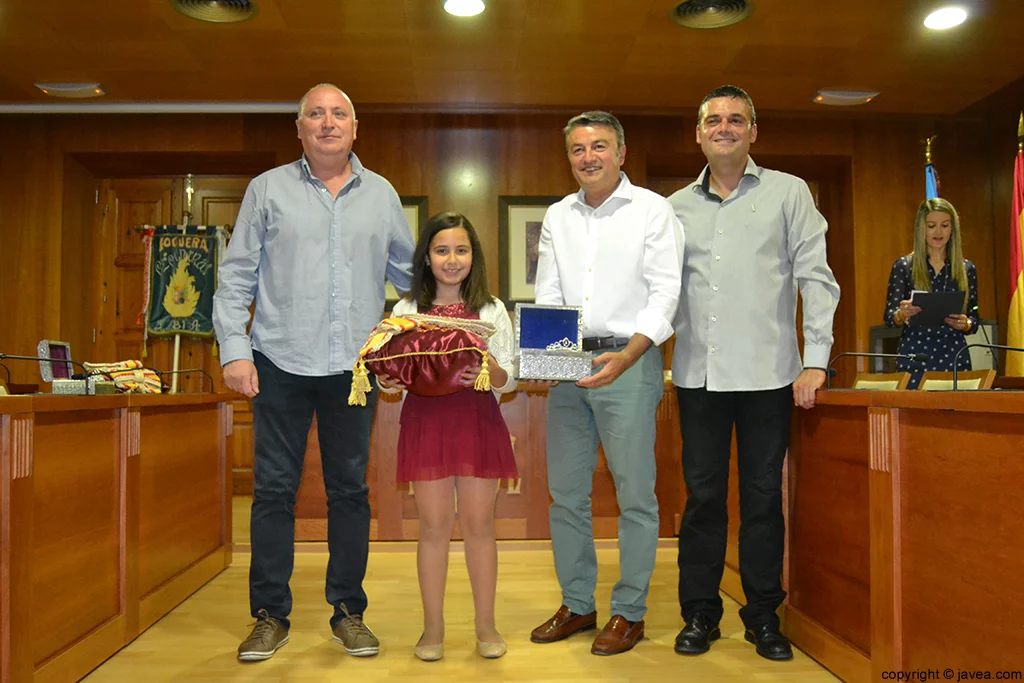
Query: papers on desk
<point x="935" y="307"/>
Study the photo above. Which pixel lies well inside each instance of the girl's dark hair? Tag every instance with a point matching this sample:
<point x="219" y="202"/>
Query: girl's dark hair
<point x="424" y="286"/>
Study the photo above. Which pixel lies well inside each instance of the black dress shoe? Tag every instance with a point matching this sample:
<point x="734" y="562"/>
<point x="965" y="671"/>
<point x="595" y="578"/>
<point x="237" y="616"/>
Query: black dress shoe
<point x="698" y="635"/>
<point x="770" y="642"/>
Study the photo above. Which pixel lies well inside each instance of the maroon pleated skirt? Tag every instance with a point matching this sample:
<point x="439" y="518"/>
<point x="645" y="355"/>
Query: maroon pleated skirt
<point x="458" y="435"/>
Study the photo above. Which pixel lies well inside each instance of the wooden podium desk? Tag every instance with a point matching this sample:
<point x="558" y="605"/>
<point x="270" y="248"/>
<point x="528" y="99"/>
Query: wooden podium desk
<point x="906" y="524"/>
<point x="113" y="510"/>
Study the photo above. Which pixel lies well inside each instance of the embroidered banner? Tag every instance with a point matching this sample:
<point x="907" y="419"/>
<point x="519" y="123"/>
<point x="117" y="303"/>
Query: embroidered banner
<point x="182" y="269"/>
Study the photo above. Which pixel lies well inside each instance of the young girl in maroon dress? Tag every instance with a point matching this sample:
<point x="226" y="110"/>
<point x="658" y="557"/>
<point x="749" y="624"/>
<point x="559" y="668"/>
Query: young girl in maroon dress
<point x="456" y="443"/>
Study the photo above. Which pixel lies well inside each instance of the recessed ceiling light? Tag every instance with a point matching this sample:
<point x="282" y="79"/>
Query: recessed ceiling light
<point x="464" y="8"/>
<point x="711" y="13"/>
<point x="72" y="90"/>
<point x="217" y="11"/>
<point x="843" y="98"/>
<point x="947" y="17"/>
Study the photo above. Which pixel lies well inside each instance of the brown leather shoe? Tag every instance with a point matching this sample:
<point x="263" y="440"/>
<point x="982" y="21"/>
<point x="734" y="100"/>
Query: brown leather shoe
<point x="617" y="636"/>
<point x="563" y="625"/>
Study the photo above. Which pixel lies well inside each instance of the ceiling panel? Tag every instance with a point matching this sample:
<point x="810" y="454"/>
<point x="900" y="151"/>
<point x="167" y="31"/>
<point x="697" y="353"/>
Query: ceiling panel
<point x="518" y="53"/>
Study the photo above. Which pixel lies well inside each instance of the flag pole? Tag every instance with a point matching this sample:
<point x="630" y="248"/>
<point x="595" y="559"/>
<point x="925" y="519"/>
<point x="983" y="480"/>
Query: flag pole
<point x="185" y="220"/>
<point x="931" y="178"/>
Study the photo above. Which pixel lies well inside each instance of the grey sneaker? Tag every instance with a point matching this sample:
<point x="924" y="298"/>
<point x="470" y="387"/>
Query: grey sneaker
<point x="356" y="636"/>
<point x="267" y="635"/>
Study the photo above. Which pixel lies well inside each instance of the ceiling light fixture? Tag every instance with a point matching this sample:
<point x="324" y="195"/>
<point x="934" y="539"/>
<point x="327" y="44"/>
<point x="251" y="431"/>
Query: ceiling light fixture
<point x="711" y="13"/>
<point x="464" y="8"/>
<point x="72" y="90"/>
<point x="947" y="17"/>
<point x="217" y="11"/>
<point x="843" y="98"/>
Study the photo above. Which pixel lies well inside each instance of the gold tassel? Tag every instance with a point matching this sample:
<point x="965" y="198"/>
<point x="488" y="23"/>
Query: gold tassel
<point x="360" y="385"/>
<point x="483" y="380"/>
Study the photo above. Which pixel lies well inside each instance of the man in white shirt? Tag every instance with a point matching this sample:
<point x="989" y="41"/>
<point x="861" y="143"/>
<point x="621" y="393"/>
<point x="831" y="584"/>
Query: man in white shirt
<point x="754" y="236"/>
<point x="616" y="251"/>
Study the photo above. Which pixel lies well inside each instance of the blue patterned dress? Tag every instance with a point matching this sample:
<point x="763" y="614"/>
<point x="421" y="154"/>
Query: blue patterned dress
<point x="940" y="343"/>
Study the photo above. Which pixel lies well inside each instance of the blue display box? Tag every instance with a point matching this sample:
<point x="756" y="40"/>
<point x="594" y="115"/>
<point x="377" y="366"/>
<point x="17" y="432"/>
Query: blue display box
<point x="549" y="343"/>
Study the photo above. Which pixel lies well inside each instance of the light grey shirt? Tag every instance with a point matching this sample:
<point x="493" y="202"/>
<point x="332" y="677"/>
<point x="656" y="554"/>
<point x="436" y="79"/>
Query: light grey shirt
<point x="745" y="257"/>
<point x="314" y="264"/>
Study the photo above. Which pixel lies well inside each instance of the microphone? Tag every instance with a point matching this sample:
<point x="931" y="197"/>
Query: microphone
<point x="51" y="361"/>
<point x="161" y="374"/>
<point x="984" y="332"/>
<point x="956" y="358"/>
<point x="84" y="375"/>
<point x="830" y="372"/>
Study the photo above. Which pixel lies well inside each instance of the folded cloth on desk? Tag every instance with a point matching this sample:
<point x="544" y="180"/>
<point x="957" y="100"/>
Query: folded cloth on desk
<point x="128" y="376"/>
<point x="426" y="354"/>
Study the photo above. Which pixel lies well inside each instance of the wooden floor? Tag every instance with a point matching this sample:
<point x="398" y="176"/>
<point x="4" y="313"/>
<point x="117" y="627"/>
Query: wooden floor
<point x="197" y="641"/>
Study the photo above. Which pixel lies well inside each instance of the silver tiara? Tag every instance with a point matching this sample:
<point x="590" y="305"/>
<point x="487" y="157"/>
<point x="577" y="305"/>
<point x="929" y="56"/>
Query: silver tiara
<point x="563" y="344"/>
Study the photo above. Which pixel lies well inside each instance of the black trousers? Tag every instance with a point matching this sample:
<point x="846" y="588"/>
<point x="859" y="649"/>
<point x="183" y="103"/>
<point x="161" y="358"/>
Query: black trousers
<point x="282" y="414"/>
<point x="706" y="420"/>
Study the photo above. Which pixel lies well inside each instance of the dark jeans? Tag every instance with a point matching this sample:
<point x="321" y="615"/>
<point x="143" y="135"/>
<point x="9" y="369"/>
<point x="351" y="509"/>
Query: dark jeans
<point x="706" y="421"/>
<point x="282" y="414"/>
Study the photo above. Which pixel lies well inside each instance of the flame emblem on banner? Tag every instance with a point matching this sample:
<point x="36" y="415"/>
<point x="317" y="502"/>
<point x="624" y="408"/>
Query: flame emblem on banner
<point x="181" y="297"/>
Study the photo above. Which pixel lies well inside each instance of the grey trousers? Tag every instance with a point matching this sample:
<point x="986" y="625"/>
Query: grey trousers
<point x="621" y="416"/>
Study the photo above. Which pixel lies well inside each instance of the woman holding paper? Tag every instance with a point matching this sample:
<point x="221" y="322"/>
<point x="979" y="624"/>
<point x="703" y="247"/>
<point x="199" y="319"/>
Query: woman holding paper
<point x="936" y="265"/>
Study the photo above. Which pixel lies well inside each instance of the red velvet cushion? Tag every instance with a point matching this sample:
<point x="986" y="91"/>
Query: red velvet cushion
<point x="428" y="375"/>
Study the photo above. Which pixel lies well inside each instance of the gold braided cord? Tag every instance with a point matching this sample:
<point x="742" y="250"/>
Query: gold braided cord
<point x="425" y="353"/>
<point x="389" y="327"/>
<point x="480" y="328"/>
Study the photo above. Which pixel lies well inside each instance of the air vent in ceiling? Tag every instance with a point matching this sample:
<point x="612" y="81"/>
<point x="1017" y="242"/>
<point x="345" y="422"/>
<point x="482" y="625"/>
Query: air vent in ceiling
<point x="711" y="13"/>
<point x="217" y="11"/>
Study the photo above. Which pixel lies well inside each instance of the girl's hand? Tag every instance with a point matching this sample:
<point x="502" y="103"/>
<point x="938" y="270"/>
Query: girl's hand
<point x="958" y="322"/>
<point x="469" y="376"/>
<point x="388" y="384"/>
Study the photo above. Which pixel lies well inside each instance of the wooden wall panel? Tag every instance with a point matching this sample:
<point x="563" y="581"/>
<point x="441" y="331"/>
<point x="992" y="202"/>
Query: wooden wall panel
<point x="80" y="260"/>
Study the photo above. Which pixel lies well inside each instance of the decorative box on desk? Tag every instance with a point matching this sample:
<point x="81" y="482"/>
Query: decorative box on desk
<point x="549" y="343"/>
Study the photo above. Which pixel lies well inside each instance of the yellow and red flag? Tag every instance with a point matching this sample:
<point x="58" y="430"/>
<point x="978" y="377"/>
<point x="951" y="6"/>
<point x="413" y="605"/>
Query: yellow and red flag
<point x="1015" y="319"/>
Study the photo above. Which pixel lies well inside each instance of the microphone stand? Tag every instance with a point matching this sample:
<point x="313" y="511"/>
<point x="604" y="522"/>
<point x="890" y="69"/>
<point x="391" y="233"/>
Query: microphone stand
<point x="920" y="357"/>
<point x="161" y="374"/>
<point x="956" y="358"/>
<point x="87" y="374"/>
<point x="51" y="361"/>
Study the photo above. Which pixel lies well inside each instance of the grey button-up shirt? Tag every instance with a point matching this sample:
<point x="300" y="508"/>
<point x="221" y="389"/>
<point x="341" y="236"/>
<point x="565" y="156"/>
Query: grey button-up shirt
<point x="314" y="264"/>
<point x="745" y="257"/>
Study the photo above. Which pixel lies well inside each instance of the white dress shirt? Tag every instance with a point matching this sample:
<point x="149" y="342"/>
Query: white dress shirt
<point x="620" y="262"/>
<point x="745" y="257"/>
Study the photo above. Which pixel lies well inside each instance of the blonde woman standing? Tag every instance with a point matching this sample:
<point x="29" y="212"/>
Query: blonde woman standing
<point x="937" y="264"/>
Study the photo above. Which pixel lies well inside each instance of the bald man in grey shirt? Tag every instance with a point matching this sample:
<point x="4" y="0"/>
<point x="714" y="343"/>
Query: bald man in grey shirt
<point x="753" y="237"/>
<point x="312" y="246"/>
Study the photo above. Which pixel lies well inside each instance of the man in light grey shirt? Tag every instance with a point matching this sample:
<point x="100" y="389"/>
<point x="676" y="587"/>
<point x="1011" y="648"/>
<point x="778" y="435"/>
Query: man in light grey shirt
<point x="753" y="237"/>
<point x="313" y="243"/>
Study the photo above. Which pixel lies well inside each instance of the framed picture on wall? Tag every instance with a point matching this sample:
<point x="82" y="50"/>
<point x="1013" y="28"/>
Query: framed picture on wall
<point x="519" y="222"/>
<point x="415" y="208"/>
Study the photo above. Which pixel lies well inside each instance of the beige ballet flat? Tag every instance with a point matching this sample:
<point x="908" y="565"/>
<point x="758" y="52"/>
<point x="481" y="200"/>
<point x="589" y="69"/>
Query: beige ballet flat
<point x="429" y="653"/>
<point x="491" y="650"/>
